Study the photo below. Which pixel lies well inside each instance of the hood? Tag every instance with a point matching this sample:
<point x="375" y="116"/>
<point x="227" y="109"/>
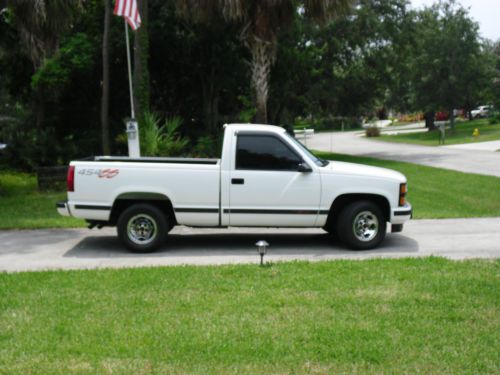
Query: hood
<point x="353" y="169"/>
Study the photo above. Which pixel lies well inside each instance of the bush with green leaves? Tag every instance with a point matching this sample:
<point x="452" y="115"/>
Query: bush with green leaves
<point x="29" y="148"/>
<point x="372" y="131"/>
<point x="163" y="140"/>
<point x="494" y="118"/>
<point x="76" y="54"/>
<point x="208" y="146"/>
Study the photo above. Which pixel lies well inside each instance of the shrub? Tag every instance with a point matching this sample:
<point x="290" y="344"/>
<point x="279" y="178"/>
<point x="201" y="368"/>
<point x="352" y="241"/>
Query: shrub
<point x="208" y="147"/>
<point x="150" y="134"/>
<point x="172" y="143"/>
<point x="494" y="118"/>
<point x="29" y="148"/>
<point x="159" y="140"/>
<point x="372" y="131"/>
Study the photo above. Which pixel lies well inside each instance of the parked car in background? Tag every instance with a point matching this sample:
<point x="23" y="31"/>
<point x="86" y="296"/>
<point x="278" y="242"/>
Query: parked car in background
<point x="481" y="111"/>
<point x="442" y="116"/>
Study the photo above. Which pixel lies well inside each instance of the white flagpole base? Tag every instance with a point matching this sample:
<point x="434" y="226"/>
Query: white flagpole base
<point x="134" y="150"/>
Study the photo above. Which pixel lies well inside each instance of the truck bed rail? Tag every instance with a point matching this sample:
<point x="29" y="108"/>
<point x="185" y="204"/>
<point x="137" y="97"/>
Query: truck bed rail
<point x="148" y="159"/>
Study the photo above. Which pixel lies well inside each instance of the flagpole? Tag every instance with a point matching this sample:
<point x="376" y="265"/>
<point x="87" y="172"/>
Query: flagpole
<point x="128" y="10"/>
<point x="132" y="110"/>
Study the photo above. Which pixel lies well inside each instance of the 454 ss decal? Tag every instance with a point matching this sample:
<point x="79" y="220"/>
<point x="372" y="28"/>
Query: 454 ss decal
<point x="101" y="173"/>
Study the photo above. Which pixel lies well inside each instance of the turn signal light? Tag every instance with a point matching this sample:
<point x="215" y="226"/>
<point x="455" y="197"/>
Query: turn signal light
<point x="403" y="189"/>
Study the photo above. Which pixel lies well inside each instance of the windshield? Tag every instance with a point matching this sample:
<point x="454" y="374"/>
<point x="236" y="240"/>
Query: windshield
<point x="318" y="161"/>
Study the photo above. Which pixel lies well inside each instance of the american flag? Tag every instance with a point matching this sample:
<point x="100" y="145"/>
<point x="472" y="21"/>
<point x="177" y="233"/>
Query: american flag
<point x="128" y="10"/>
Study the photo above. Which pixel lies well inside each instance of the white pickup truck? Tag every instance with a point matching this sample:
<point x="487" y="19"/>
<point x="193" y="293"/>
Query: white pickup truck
<point x="265" y="178"/>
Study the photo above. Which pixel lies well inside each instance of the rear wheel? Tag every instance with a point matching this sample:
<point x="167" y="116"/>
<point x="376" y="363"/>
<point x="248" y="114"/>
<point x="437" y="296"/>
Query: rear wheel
<point x="142" y="228"/>
<point x="361" y="225"/>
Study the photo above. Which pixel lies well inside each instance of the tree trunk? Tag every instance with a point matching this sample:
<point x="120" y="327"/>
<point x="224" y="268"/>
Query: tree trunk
<point x="141" y="57"/>
<point x="263" y="55"/>
<point x="210" y="89"/>
<point x="429" y="120"/>
<point x="210" y="108"/>
<point x="39" y="106"/>
<point x="106" y="147"/>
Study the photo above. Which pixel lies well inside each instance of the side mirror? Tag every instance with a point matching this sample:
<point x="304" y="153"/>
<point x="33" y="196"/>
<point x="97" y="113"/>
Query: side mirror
<point x="304" y="167"/>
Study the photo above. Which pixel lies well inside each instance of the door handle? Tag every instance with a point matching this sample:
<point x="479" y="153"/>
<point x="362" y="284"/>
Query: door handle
<point x="237" y="181"/>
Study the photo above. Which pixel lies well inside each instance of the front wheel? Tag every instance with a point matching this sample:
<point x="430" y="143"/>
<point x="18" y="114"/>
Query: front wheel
<point x="142" y="228"/>
<point x="361" y="225"/>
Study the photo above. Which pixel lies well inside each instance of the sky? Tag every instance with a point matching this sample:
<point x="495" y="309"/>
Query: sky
<point x="485" y="12"/>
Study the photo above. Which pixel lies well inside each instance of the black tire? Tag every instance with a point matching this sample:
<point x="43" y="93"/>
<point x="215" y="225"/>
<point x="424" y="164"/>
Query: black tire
<point x="142" y="228"/>
<point x="330" y="230"/>
<point x="361" y="225"/>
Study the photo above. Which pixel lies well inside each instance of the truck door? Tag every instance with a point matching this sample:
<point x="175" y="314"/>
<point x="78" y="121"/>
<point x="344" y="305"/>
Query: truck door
<point x="266" y="187"/>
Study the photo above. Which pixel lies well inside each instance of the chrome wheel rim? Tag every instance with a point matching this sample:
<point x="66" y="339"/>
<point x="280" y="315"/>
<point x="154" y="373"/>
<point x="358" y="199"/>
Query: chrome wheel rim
<point x="142" y="229"/>
<point x="365" y="226"/>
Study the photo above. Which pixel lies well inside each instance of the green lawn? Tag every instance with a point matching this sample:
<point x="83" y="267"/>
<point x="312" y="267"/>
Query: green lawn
<point x="434" y="193"/>
<point x="23" y="207"/>
<point x="461" y="134"/>
<point x="430" y="316"/>
<point x="440" y="193"/>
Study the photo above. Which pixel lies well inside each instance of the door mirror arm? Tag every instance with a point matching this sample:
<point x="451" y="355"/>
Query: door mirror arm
<point x="304" y="167"/>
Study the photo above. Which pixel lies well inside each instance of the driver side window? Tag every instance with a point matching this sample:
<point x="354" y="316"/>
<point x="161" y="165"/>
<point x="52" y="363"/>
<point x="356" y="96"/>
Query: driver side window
<point x="263" y="152"/>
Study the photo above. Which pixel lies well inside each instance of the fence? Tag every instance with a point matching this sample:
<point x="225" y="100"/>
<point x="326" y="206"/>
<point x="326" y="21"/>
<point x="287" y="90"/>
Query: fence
<point x="51" y="178"/>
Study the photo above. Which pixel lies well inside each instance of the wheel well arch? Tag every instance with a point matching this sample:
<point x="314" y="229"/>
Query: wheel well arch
<point x="343" y="200"/>
<point x="124" y="201"/>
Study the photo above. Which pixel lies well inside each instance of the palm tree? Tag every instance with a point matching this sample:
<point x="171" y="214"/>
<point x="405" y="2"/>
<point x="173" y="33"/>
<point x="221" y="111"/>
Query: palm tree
<point x="261" y="21"/>
<point x="40" y="24"/>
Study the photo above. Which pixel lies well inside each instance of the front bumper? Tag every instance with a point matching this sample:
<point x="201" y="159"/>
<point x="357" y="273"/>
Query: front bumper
<point x="402" y="214"/>
<point x="63" y="208"/>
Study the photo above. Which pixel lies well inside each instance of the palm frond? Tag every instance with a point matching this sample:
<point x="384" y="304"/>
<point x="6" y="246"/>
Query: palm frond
<point x="41" y="22"/>
<point x="322" y="10"/>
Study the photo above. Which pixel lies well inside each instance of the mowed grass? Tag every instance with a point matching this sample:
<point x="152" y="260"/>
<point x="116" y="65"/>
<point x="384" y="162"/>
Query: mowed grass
<point x="461" y="134"/>
<point x="380" y="316"/>
<point x="440" y="193"/>
<point x="23" y="207"/>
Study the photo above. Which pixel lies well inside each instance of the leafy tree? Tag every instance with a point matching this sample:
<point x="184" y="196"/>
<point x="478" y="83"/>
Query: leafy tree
<point x="496" y="78"/>
<point x="261" y="21"/>
<point x="445" y="59"/>
<point x="489" y="90"/>
<point x="346" y="68"/>
<point x="198" y="70"/>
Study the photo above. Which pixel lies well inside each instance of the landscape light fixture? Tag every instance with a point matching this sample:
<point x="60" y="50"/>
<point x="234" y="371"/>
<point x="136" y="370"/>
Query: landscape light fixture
<point x="262" y="249"/>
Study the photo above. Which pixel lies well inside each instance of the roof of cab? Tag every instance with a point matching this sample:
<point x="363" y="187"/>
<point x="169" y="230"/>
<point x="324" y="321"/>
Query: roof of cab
<point x="256" y="127"/>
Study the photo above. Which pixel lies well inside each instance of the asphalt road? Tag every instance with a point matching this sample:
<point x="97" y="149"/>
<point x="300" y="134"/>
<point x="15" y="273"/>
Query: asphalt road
<point x="459" y="159"/>
<point x="23" y="250"/>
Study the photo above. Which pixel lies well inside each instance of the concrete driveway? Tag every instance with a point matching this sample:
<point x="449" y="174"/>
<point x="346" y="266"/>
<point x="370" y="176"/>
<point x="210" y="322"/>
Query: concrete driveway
<point x="81" y="248"/>
<point x="459" y="159"/>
